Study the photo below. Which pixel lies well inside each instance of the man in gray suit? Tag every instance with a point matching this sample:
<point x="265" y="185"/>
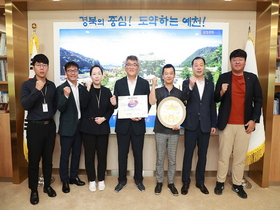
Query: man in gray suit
<point x="198" y="92"/>
<point x="68" y="103"/>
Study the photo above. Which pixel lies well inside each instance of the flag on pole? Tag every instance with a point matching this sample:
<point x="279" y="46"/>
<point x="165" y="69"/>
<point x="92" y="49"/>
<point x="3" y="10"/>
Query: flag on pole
<point x="257" y="142"/>
<point x="33" y="50"/>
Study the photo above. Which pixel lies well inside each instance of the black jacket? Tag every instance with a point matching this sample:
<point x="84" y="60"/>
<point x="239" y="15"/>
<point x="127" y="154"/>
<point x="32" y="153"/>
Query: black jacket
<point x="253" y="98"/>
<point x="89" y="103"/>
<point x="68" y="119"/>
<point x="121" y="89"/>
<point x="200" y="110"/>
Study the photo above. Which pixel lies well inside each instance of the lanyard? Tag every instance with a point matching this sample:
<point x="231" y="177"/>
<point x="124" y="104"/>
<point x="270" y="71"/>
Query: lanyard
<point x="44" y="95"/>
<point x="98" y="98"/>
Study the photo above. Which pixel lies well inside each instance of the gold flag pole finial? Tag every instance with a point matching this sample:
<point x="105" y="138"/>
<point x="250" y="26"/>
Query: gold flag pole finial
<point x="34" y="26"/>
<point x="34" y="40"/>
<point x="250" y="37"/>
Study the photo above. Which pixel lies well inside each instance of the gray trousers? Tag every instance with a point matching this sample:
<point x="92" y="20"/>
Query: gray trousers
<point x="166" y="142"/>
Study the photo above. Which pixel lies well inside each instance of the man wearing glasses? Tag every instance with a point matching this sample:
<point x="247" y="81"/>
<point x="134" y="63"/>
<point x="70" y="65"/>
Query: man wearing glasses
<point x="38" y="98"/>
<point x="130" y="130"/>
<point x="68" y="103"/>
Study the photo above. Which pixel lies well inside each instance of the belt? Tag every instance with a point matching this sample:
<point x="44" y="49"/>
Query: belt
<point x="42" y="122"/>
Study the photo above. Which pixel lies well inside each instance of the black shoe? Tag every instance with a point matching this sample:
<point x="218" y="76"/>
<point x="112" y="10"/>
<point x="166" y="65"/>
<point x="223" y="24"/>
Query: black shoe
<point x="50" y="191"/>
<point x="202" y="188"/>
<point x="65" y="187"/>
<point x="77" y="182"/>
<point x="185" y="188"/>
<point x="158" y="188"/>
<point x="34" y="198"/>
<point x="219" y="188"/>
<point x="140" y="186"/>
<point x="239" y="190"/>
<point x="119" y="187"/>
<point x="172" y="189"/>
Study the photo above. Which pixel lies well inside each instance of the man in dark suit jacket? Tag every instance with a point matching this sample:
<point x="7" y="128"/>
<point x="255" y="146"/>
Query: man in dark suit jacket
<point x="240" y="95"/>
<point x="68" y="103"/>
<point x="130" y="130"/>
<point x="198" y="93"/>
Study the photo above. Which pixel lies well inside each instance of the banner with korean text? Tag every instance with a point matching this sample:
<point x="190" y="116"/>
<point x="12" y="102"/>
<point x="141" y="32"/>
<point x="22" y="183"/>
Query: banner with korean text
<point x="155" y="39"/>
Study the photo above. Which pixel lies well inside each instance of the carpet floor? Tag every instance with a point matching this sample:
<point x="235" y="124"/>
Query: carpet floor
<point x="14" y="197"/>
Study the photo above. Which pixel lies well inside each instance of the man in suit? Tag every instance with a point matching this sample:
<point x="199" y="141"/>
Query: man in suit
<point x="130" y="130"/>
<point x="240" y="95"/>
<point x="68" y="103"/>
<point x="198" y="92"/>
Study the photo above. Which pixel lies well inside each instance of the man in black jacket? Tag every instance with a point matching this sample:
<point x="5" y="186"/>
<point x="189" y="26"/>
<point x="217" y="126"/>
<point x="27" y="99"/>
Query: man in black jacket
<point x="240" y="95"/>
<point x="68" y="103"/>
<point x="198" y="92"/>
<point x="131" y="130"/>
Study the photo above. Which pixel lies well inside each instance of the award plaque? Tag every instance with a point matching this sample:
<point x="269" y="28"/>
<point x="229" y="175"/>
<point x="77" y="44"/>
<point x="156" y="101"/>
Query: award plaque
<point x="132" y="106"/>
<point x="171" y="111"/>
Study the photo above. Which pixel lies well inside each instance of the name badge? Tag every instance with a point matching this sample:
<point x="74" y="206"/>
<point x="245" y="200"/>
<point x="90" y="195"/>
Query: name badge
<point x="45" y="107"/>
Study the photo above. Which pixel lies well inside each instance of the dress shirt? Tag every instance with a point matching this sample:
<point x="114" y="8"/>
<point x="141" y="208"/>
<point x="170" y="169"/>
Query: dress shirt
<point x="200" y="87"/>
<point x="32" y="99"/>
<point x="75" y="91"/>
<point x="131" y="85"/>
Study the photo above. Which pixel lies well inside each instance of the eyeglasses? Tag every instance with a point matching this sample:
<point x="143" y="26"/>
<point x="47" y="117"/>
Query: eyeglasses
<point x="72" y="71"/>
<point x="238" y="59"/>
<point x="41" y="65"/>
<point x="132" y="64"/>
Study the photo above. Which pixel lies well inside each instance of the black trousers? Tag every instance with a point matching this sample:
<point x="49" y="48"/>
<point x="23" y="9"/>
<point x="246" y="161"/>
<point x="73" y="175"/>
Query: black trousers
<point x="98" y="144"/>
<point x="193" y="138"/>
<point x="40" y="143"/>
<point x="70" y="144"/>
<point x="137" y="143"/>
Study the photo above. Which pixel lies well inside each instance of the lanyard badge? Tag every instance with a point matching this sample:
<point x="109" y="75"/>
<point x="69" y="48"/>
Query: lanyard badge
<point x="45" y="105"/>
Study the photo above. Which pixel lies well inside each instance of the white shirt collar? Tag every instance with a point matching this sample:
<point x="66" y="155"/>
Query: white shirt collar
<point x="71" y="84"/>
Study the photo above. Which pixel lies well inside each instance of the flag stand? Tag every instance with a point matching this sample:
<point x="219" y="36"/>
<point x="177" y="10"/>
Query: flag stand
<point x="245" y="183"/>
<point x="41" y="181"/>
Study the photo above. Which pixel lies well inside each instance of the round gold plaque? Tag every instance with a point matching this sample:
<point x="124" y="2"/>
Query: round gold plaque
<point x="171" y="111"/>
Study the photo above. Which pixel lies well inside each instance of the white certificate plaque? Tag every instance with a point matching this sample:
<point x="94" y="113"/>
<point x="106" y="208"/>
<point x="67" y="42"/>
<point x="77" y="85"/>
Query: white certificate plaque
<point x="132" y="106"/>
<point x="171" y="111"/>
